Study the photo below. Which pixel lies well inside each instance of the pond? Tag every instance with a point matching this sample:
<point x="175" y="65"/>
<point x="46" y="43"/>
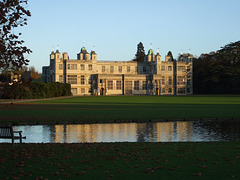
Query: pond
<point x="191" y="131"/>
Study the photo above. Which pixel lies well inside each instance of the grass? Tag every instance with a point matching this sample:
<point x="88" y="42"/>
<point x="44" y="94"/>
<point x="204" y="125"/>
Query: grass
<point x="120" y="108"/>
<point x="216" y="160"/>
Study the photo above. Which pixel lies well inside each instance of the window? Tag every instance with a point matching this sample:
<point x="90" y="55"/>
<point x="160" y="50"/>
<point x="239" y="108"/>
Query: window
<point x="82" y="67"/>
<point x="169" y="90"/>
<point x="61" y="78"/>
<point x="163" y="80"/>
<point x="103" y="68"/>
<point x="170" y="80"/>
<point x="72" y="79"/>
<point x="120" y="69"/>
<point x="189" y="82"/>
<point x="144" y="69"/>
<point x="162" y="68"/>
<point x="90" y="80"/>
<point x="181" y="91"/>
<point x="188" y="68"/>
<point x="72" y="66"/>
<point x="82" y="79"/>
<point x="181" y="68"/>
<point x="110" y="85"/>
<point x="89" y="67"/>
<point x="74" y="90"/>
<point x="82" y="90"/>
<point x="169" y="68"/>
<point x="144" y="85"/>
<point x="119" y="85"/>
<point x="111" y="69"/>
<point x="180" y="80"/>
<point x="128" y="68"/>
<point x="60" y="66"/>
<point x="136" y="85"/>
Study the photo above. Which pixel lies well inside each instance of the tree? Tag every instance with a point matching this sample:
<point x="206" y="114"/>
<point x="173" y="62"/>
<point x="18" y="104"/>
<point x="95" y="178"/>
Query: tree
<point x="170" y="55"/>
<point x="140" y="55"/>
<point x="12" y="15"/>
<point x="218" y="72"/>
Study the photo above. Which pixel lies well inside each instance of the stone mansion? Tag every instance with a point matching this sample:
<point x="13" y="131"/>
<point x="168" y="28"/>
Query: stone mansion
<point x="89" y="76"/>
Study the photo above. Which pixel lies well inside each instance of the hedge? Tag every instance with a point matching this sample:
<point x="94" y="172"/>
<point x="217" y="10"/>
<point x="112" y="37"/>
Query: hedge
<point x="35" y="90"/>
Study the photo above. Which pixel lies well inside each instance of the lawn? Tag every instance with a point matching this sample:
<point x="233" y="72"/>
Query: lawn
<point x="120" y="108"/>
<point x="216" y="160"/>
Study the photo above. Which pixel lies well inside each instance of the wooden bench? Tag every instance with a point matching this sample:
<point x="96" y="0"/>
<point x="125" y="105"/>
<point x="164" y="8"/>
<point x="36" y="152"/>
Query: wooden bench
<point x="6" y="132"/>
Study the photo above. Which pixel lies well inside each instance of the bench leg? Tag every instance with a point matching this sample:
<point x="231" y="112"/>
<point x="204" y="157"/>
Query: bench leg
<point x="20" y="138"/>
<point x="13" y="140"/>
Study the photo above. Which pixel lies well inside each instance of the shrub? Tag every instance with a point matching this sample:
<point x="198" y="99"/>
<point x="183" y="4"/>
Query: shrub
<point x="35" y="90"/>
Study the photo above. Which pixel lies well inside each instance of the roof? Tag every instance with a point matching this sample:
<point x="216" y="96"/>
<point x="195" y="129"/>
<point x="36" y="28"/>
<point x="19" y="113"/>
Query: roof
<point x="150" y="52"/>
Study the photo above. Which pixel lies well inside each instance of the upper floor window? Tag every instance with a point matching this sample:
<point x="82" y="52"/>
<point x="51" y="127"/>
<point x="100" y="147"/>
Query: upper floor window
<point x="82" y="67"/>
<point x="103" y="68"/>
<point x="181" y="68"/>
<point x="89" y="67"/>
<point x="60" y="66"/>
<point x="128" y="68"/>
<point x="82" y="79"/>
<point x="111" y="69"/>
<point x="169" y="68"/>
<point x="162" y="68"/>
<point x="72" y="66"/>
<point x="170" y="80"/>
<point x="120" y="69"/>
<point x="72" y="79"/>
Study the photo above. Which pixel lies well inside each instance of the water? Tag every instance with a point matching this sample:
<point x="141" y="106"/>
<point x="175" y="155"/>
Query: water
<point x="191" y="131"/>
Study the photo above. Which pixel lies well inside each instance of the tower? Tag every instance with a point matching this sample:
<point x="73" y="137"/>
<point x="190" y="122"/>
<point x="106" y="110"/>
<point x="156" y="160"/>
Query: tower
<point x="150" y="56"/>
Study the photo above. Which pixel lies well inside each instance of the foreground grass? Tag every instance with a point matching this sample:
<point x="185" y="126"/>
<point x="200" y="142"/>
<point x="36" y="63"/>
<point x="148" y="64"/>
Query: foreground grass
<point x="120" y="108"/>
<point x="217" y="160"/>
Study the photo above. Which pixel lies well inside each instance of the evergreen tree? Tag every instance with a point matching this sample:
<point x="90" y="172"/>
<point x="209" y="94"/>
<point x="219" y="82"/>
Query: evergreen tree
<point x="140" y="55"/>
<point x="170" y="55"/>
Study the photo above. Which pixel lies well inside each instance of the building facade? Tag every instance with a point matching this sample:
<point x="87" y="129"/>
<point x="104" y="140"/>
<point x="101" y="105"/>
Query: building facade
<point x="89" y="76"/>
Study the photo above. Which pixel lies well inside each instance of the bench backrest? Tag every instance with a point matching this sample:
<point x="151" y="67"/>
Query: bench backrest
<point x="6" y="131"/>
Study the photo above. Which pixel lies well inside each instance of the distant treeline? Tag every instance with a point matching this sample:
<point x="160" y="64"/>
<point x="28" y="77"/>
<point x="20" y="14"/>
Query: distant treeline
<point x="218" y="72"/>
<point x="35" y="90"/>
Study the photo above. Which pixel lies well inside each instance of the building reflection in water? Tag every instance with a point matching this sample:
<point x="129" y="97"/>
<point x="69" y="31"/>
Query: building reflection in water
<point x="131" y="132"/>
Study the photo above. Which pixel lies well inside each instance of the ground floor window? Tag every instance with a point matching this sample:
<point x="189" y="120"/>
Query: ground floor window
<point x="163" y="90"/>
<point x="136" y="85"/>
<point x="74" y="90"/>
<point x="61" y="78"/>
<point x="82" y="90"/>
<point x="110" y="85"/>
<point x="144" y="85"/>
<point x="169" y="90"/>
<point x="181" y="90"/>
<point x="119" y="85"/>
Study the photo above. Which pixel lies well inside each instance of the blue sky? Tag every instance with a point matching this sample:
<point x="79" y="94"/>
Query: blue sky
<point x="115" y="27"/>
